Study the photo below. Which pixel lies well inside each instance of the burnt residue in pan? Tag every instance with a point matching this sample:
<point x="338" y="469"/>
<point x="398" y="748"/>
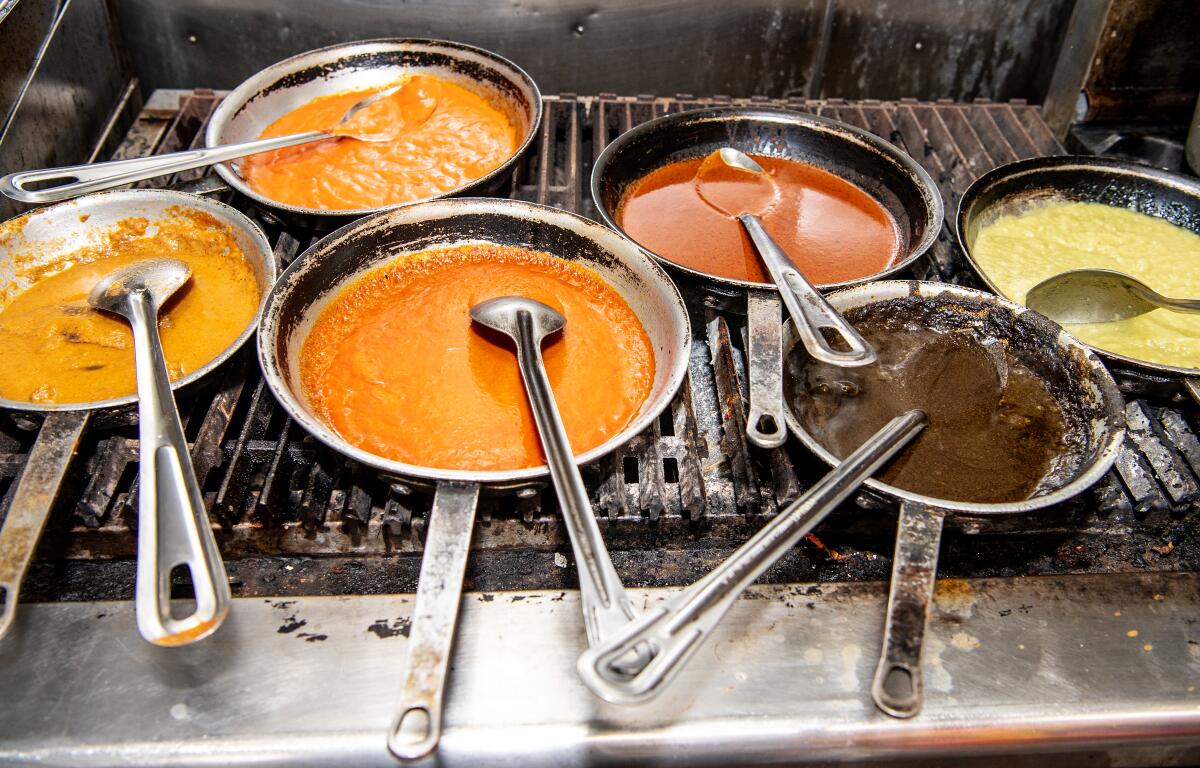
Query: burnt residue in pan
<point x="1005" y="417"/>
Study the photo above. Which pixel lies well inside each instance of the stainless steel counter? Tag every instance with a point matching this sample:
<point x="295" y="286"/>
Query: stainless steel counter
<point x="1100" y="669"/>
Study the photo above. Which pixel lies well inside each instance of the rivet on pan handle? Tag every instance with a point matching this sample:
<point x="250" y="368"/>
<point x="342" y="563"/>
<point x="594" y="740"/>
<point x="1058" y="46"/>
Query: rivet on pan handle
<point x="765" y="423"/>
<point x="675" y="630"/>
<point x="898" y="689"/>
<point x="418" y="726"/>
<point x="36" y="488"/>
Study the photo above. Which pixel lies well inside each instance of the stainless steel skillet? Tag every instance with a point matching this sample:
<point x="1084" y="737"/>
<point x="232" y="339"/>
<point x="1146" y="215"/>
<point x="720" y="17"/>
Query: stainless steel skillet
<point x="1094" y="413"/>
<point x="40" y="239"/>
<point x="307" y="285"/>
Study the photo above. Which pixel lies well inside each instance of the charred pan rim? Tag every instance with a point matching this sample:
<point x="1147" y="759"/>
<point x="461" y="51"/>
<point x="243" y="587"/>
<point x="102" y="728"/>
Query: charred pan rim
<point x="1086" y="363"/>
<point x="1036" y="176"/>
<point x="618" y="251"/>
<point x="503" y="74"/>
<point x="667" y="124"/>
<point x="225" y="213"/>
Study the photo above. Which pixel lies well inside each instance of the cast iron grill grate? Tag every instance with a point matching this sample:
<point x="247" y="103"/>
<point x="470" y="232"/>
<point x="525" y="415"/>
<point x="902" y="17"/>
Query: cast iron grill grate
<point x="295" y="516"/>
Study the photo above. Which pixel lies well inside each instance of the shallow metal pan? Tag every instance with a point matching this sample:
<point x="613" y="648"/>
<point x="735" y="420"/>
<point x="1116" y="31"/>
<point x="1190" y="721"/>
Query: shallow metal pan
<point x="881" y="169"/>
<point x="1015" y="187"/>
<point x="1075" y="377"/>
<point x="291" y="83"/>
<point x="43" y="237"/>
<point x="314" y="278"/>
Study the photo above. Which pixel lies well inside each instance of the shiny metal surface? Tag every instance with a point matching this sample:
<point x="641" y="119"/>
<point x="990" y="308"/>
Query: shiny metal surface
<point x="765" y="425"/>
<point x="1095" y="670"/>
<point x="675" y="630"/>
<point x="282" y="87"/>
<point x="1099" y="296"/>
<point x="41" y="239"/>
<point x="606" y="608"/>
<point x="173" y="525"/>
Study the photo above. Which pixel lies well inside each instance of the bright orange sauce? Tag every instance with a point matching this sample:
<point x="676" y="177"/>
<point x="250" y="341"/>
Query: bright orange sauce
<point x="396" y="367"/>
<point x="463" y="139"/>
<point x="832" y="230"/>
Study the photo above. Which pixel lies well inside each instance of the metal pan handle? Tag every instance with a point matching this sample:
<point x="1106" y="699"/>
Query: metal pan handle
<point x="809" y="310"/>
<point x="898" y="688"/>
<point x="173" y="525"/>
<point x="765" y="423"/>
<point x="418" y="726"/>
<point x="677" y="628"/>
<point x="76" y="180"/>
<point x="36" y="488"/>
<point x="1192" y="385"/>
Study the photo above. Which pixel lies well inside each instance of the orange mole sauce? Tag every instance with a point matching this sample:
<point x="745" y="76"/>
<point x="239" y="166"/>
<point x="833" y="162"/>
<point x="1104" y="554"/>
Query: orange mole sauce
<point x="462" y="139"/>
<point x="832" y="230"/>
<point x="395" y="365"/>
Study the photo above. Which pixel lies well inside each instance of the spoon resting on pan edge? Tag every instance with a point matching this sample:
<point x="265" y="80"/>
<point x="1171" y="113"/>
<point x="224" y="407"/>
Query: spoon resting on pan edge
<point x="606" y="607"/>
<point x="173" y="526"/>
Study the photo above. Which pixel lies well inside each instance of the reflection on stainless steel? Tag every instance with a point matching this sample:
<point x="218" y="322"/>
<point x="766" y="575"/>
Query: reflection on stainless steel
<point x="1026" y="666"/>
<point x="1099" y="296"/>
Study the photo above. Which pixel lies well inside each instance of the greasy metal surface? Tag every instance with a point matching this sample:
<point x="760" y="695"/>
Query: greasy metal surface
<point x="1098" y="670"/>
<point x="295" y="519"/>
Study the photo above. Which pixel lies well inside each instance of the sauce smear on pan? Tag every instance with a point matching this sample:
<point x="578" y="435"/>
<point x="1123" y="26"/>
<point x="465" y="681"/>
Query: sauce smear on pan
<point x="441" y="136"/>
<point x="832" y="230"/>
<point x="395" y="365"/>
<point x="60" y="350"/>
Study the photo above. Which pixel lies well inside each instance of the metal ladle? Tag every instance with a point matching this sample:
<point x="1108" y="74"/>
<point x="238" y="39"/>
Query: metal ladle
<point x="672" y="631"/>
<point x="94" y="177"/>
<point x="173" y="526"/>
<point x="1099" y="296"/>
<point x="606" y="607"/>
<point x="807" y="307"/>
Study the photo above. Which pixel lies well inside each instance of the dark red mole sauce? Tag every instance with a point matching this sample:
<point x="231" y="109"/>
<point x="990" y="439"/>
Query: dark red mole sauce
<point x="833" y="230"/>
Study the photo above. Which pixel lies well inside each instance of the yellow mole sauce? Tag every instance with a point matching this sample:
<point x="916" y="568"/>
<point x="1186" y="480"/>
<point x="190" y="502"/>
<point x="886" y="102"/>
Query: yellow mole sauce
<point x="1018" y="252"/>
<point x="395" y="365"/>
<point x="60" y="350"/>
<point x="462" y="139"/>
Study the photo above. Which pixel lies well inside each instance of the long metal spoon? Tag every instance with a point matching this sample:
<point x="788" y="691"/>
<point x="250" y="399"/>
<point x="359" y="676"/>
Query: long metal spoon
<point x="1099" y="296"/>
<point x="606" y="607"/>
<point x="76" y="180"/>
<point x="808" y="308"/>
<point x="173" y="526"/>
<point x="674" y="630"/>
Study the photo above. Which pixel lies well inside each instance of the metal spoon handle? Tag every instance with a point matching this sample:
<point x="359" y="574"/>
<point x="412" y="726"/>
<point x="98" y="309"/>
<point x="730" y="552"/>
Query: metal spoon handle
<point x="173" y="526"/>
<point x="606" y="608"/>
<point x="806" y="305"/>
<point x="677" y="628"/>
<point x="1191" y="306"/>
<point x="82" y="179"/>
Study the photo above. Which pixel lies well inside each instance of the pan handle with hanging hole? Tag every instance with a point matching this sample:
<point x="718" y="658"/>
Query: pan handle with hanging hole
<point x="37" y="486"/>
<point x="898" y="689"/>
<point x="809" y="310"/>
<point x="674" y="630"/>
<point x="418" y="727"/>
<point x="765" y="423"/>
<point x="76" y="180"/>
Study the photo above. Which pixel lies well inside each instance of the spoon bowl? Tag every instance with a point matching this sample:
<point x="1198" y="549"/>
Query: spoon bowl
<point x="1099" y="296"/>
<point x="160" y="278"/>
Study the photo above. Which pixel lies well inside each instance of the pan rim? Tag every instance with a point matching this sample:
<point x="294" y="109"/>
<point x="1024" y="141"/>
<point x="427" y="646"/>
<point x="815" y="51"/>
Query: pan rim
<point x="441" y="209"/>
<point x="1059" y="163"/>
<point x="1099" y="467"/>
<point x="239" y="96"/>
<point x="782" y="116"/>
<point x="227" y="214"/>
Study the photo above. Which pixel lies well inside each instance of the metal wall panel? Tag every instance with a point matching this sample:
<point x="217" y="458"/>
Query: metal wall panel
<point x="918" y="48"/>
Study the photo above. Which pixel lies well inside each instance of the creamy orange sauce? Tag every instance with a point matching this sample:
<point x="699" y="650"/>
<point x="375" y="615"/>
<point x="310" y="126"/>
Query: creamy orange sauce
<point x="395" y="365"/>
<point x="60" y="350"/>
<point x="441" y="136"/>
<point x="832" y="230"/>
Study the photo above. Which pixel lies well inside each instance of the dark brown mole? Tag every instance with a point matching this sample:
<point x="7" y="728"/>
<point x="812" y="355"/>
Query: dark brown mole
<point x="993" y="431"/>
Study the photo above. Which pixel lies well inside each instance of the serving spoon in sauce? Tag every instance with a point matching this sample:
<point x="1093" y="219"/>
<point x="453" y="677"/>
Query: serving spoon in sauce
<point x="173" y="526"/>
<point x="1100" y="296"/>
<point x="606" y="607"/>
<point x="52" y="185"/>
<point x="734" y="184"/>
